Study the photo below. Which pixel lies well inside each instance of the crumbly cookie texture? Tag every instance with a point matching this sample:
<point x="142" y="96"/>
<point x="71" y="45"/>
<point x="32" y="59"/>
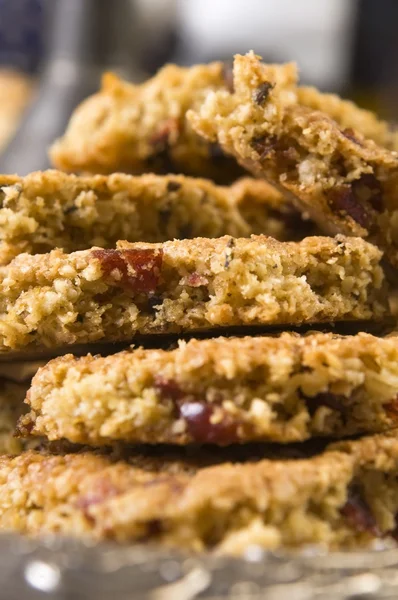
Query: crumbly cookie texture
<point x="141" y="128"/>
<point x="47" y="210"/>
<point x="346" y="497"/>
<point x="349" y="116"/>
<point x="345" y="181"/>
<point x="220" y="391"/>
<point x="55" y="299"/>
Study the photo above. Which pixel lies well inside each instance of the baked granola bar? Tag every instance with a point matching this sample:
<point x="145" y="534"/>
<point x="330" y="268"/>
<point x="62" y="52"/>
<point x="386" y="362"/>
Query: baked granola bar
<point x="141" y="128"/>
<point x="220" y="391"/>
<point x="347" y="497"/>
<point x="346" y="182"/>
<point x="55" y="299"/>
<point x="47" y="210"/>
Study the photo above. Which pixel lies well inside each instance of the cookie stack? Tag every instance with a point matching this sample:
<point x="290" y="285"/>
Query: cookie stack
<point x="220" y="428"/>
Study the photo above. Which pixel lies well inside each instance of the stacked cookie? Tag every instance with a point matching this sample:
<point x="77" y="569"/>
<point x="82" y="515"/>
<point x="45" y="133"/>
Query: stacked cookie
<point x="218" y="429"/>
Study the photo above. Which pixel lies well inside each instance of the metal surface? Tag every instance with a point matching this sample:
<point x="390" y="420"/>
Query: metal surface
<point x="65" y="569"/>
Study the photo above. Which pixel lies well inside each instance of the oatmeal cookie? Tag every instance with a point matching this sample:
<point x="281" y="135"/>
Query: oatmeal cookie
<point x="349" y="116"/>
<point x="346" y="182"/>
<point x="220" y="391"/>
<point x="346" y="497"/>
<point x="55" y="299"/>
<point x="47" y="210"/>
<point x="141" y="128"/>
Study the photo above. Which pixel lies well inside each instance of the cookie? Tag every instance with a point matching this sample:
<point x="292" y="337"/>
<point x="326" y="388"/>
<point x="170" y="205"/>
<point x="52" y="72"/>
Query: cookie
<point x="349" y="116"/>
<point x="221" y="391"/>
<point x="347" y="497"/>
<point x="56" y="299"/>
<point x="346" y="182"/>
<point x="141" y="128"/>
<point x="51" y="209"/>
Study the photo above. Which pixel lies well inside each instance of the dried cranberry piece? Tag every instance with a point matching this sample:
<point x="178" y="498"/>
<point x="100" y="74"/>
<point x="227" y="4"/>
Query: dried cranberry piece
<point x="162" y="136"/>
<point x="195" y="280"/>
<point x="264" y="144"/>
<point x="168" y="389"/>
<point x="103" y="490"/>
<point x="349" y="133"/>
<point x="344" y="199"/>
<point x="173" y="186"/>
<point x="357" y="513"/>
<point x="333" y="401"/>
<point x="25" y="424"/>
<point x="369" y="188"/>
<point x="136" y="270"/>
<point x="391" y="408"/>
<point x="261" y="94"/>
<point x="197" y="416"/>
<point x="154" y="528"/>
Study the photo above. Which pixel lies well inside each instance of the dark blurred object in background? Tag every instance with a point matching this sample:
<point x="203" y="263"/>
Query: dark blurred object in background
<point x="158" y="24"/>
<point x="22" y="27"/>
<point x="373" y="80"/>
<point x="22" y="34"/>
<point x="85" y="38"/>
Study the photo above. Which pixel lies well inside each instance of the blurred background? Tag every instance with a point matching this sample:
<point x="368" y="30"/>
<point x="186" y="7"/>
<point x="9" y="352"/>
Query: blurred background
<point x="52" y="53"/>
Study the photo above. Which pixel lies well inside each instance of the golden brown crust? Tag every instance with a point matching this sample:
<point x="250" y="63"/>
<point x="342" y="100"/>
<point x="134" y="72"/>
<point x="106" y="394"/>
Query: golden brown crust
<point x="57" y="299"/>
<point x="140" y="128"/>
<point x="47" y="210"/>
<point x="346" y="497"/>
<point x="349" y="116"/>
<point x="220" y="391"/>
<point x="345" y="181"/>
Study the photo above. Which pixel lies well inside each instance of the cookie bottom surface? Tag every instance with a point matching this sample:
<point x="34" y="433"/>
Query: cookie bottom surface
<point x="346" y="497"/>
